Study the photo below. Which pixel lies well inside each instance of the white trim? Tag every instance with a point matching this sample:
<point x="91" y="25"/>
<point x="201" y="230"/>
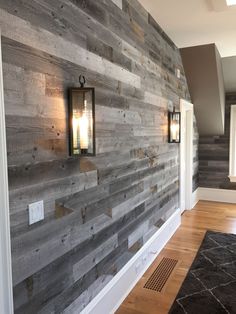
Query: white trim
<point x="232" y="147"/>
<point x="118" y="3"/>
<point x="186" y="155"/>
<point x="195" y="197"/>
<point x="113" y="294"/>
<point x="217" y="195"/>
<point x="232" y="178"/>
<point x="6" y="298"/>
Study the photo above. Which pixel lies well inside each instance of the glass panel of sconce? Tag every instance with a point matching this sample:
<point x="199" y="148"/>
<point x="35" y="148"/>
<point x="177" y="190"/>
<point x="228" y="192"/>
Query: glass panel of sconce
<point x="174" y="127"/>
<point x="82" y="119"/>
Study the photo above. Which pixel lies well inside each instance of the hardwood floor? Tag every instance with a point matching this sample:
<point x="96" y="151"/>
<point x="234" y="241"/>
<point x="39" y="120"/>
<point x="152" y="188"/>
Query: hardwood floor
<point x="183" y="246"/>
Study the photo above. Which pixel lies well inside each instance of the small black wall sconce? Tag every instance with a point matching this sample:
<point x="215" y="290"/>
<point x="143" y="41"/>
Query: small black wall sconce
<point x="82" y="120"/>
<point x="174" y="126"/>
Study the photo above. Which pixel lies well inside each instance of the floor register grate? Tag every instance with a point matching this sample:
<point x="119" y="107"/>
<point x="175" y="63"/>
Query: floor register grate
<point x="161" y="274"/>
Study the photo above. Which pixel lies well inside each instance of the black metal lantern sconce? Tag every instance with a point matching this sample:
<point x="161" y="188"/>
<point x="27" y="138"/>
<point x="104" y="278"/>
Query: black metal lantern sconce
<point x="82" y="120"/>
<point x="174" y="119"/>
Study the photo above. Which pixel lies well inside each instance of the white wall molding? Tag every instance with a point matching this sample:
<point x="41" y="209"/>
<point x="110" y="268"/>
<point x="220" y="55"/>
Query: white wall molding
<point x="118" y="3"/>
<point x="186" y="155"/>
<point x="217" y="195"/>
<point x="6" y="298"/>
<point x="113" y="294"/>
<point x="232" y="146"/>
<point x="232" y="178"/>
<point x="214" y="195"/>
<point x="195" y="197"/>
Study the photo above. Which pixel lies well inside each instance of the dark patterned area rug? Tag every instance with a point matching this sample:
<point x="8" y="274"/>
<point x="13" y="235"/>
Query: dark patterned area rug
<point x="210" y="285"/>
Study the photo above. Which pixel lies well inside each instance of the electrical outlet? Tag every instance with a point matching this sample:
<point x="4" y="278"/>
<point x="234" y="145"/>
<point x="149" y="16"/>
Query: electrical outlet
<point x="36" y="212"/>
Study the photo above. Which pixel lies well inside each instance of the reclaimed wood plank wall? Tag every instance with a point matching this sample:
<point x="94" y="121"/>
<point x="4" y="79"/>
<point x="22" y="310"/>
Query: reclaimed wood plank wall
<point x="214" y="155"/>
<point x="98" y="211"/>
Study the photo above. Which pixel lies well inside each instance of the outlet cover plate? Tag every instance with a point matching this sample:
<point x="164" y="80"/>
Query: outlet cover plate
<point x="36" y="212"/>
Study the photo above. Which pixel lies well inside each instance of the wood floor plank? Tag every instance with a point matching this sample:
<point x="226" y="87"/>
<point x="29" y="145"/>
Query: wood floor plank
<point x="183" y="246"/>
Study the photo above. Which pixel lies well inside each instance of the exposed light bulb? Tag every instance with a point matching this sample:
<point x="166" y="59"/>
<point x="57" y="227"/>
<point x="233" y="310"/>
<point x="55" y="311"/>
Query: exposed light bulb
<point x="75" y="122"/>
<point x="84" y="128"/>
<point x="174" y="130"/>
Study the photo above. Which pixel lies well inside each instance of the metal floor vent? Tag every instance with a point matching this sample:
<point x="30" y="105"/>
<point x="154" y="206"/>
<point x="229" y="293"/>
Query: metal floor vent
<point x="161" y="274"/>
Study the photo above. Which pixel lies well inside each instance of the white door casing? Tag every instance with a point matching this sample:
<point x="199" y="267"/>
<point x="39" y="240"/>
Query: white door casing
<point x="186" y="155"/>
<point x="232" y="149"/>
<point x="6" y="295"/>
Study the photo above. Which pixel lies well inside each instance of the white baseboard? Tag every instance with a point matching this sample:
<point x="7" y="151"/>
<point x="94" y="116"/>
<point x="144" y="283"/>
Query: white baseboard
<point x="217" y="195"/>
<point x="113" y="294"/>
<point x="118" y="3"/>
<point x="195" y="197"/>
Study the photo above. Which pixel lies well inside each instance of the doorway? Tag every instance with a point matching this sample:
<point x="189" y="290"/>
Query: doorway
<point x="186" y="155"/>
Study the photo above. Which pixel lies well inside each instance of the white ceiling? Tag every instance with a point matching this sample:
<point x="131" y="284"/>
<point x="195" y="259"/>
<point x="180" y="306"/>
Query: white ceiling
<point x="196" y="22"/>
